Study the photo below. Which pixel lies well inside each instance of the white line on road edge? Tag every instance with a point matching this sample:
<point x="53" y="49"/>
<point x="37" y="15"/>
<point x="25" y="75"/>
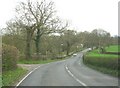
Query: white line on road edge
<point x="26" y="76"/>
<point x="83" y="84"/>
<point x="30" y="73"/>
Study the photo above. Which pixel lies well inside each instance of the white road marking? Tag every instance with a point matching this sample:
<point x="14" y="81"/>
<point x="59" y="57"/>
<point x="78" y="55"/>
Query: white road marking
<point x="66" y="67"/>
<point x="26" y="76"/>
<point x="70" y="73"/>
<point x="83" y="84"/>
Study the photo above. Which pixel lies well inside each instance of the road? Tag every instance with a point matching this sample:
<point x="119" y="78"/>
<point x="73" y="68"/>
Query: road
<point x="69" y="72"/>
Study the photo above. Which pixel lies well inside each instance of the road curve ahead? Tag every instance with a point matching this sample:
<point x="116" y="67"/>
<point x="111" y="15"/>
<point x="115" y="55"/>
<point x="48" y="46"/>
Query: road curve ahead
<point x="70" y="72"/>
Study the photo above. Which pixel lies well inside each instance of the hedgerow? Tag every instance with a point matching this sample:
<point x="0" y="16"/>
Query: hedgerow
<point x="106" y="63"/>
<point x="10" y="56"/>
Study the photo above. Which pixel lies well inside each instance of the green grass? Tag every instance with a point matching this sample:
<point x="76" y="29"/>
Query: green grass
<point x="37" y="61"/>
<point x="113" y="48"/>
<point x="10" y="77"/>
<point x="95" y="53"/>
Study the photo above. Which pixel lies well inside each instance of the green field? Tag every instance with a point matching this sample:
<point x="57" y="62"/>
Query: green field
<point x="106" y="63"/>
<point x="113" y="48"/>
<point x="95" y="53"/>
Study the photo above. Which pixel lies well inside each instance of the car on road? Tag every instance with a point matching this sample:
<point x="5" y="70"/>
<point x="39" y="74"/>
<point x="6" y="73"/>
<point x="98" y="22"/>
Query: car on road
<point x="89" y="49"/>
<point x="74" y="54"/>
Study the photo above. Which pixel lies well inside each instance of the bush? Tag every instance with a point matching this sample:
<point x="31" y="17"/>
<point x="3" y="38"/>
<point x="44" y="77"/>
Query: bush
<point x="9" y="57"/>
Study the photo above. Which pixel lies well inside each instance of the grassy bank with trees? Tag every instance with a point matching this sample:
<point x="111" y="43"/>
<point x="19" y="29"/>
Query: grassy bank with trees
<point x="106" y="63"/>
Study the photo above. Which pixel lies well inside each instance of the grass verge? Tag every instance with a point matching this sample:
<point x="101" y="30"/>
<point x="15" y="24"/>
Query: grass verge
<point x="10" y="77"/>
<point x="37" y="61"/>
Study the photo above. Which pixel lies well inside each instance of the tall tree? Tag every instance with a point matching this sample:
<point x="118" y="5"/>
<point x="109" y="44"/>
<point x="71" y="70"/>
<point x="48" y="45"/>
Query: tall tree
<point x="25" y="20"/>
<point x="43" y="14"/>
<point x="37" y="18"/>
<point x="45" y="20"/>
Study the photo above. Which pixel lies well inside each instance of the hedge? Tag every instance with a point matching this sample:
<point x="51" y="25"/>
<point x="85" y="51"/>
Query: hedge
<point x="106" y="62"/>
<point x="10" y="56"/>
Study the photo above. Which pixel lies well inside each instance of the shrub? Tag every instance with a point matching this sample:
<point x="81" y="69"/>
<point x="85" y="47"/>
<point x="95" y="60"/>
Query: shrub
<point x="9" y="57"/>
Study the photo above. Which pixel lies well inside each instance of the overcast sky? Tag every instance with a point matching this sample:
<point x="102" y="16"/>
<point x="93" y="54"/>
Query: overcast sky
<point x="82" y="14"/>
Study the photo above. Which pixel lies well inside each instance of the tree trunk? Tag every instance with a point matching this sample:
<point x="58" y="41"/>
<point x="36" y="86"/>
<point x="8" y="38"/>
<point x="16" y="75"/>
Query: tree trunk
<point x="37" y="43"/>
<point x="37" y="47"/>
<point x="28" y="50"/>
<point x="28" y="46"/>
<point x="67" y="51"/>
<point x="68" y="48"/>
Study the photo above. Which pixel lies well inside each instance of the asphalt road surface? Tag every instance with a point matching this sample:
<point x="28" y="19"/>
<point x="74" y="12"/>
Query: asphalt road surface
<point x="69" y="72"/>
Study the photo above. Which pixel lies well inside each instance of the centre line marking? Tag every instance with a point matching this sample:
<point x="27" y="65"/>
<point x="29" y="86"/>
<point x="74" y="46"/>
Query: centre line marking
<point x="70" y="73"/>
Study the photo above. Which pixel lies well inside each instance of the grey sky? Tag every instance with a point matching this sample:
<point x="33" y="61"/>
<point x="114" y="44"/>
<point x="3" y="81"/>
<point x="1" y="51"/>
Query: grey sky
<point x="82" y="14"/>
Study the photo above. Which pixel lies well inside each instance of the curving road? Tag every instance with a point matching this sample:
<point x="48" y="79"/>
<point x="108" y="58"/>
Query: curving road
<point x="70" y="72"/>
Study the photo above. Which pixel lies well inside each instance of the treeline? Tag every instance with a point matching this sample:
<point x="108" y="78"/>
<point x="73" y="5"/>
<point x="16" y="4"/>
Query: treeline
<point x="38" y="33"/>
<point x="57" y="45"/>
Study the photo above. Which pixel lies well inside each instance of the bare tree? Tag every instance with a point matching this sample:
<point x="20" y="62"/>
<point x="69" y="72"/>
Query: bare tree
<point x="43" y="14"/>
<point x="25" y="20"/>
<point x="46" y="22"/>
<point x="37" y="18"/>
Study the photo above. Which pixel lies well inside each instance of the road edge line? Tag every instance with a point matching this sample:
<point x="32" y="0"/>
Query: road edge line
<point x="27" y="76"/>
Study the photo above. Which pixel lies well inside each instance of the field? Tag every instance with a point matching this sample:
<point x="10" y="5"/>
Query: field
<point x="113" y="48"/>
<point x="107" y="63"/>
